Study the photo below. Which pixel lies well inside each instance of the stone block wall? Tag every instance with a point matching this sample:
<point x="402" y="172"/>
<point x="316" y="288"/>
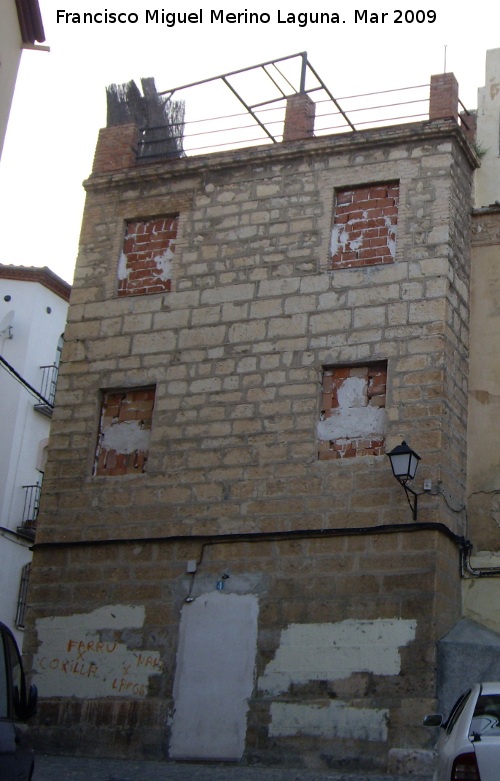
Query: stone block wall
<point x="344" y="660"/>
<point x="238" y="351"/>
<point x="237" y="348"/>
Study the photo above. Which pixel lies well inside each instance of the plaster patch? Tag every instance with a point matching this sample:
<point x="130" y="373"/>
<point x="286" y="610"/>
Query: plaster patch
<point x="335" y="720"/>
<point x="495" y="509"/>
<point x="392" y="231"/>
<point x="352" y="393"/>
<point x="353" y="424"/>
<point x="75" y="658"/>
<point x="164" y="262"/>
<point x="494" y="88"/>
<point x="122" y="267"/>
<point x="481" y="598"/>
<point x="354" y="417"/>
<point x="340" y="240"/>
<point x="126" y="437"/>
<point x="312" y="652"/>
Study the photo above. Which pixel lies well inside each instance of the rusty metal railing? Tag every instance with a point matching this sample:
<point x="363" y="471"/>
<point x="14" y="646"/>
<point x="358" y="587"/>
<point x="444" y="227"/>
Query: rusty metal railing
<point x="30" y="510"/>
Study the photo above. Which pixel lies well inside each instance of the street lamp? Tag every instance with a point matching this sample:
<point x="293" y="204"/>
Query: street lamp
<point x="404" y="462"/>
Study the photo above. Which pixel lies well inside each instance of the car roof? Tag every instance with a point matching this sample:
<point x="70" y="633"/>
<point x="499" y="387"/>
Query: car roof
<point x="490" y="687"/>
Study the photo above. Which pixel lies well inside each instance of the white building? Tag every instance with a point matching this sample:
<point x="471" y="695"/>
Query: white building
<point x="33" y="307"/>
<point x="488" y="139"/>
<point x="20" y="26"/>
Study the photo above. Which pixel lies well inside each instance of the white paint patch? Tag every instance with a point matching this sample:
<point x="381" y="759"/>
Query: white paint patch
<point x="352" y="393"/>
<point x="126" y="437"/>
<point x="392" y="231"/>
<point x="339" y="239"/>
<point x="333" y="720"/>
<point x="314" y="652"/>
<point x="75" y="660"/>
<point x="354" y="418"/>
<point x="164" y="262"/>
<point x="122" y="267"/>
<point x="364" y="423"/>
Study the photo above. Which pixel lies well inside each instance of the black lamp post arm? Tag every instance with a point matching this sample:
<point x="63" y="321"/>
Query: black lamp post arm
<point x="413" y="504"/>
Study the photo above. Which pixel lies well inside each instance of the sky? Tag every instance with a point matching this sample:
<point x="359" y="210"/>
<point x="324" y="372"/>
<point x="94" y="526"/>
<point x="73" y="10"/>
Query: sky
<point x="60" y="101"/>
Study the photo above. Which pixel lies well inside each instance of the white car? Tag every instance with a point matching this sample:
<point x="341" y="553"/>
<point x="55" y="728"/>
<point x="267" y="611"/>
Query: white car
<point x="17" y="705"/>
<point x="468" y="749"/>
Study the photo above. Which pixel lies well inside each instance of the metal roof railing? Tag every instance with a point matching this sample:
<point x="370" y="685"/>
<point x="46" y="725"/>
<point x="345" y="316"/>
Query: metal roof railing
<point x="251" y="103"/>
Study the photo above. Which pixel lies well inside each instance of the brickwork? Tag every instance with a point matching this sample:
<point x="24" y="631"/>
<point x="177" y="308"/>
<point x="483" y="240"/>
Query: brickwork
<point x="468" y="123"/>
<point x="365" y="225"/>
<point x="116" y="148"/>
<point x="238" y="350"/>
<point x="147" y="256"/>
<point x="443" y="102"/>
<point x="354" y="398"/>
<point x="124" y="432"/>
<point x="299" y="118"/>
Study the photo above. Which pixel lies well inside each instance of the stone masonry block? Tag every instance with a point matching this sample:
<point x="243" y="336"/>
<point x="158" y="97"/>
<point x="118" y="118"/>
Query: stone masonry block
<point x="259" y="344"/>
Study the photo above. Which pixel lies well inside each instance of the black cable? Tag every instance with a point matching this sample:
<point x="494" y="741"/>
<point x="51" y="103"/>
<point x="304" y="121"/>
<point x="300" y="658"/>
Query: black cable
<point x="24" y="383"/>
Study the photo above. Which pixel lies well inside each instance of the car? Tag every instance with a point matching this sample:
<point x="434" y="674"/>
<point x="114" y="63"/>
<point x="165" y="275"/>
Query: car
<point x="17" y="705"/>
<point x="468" y="748"/>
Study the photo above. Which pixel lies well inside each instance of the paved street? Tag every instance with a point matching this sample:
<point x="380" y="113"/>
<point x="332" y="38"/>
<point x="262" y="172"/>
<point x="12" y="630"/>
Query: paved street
<point x="49" y="768"/>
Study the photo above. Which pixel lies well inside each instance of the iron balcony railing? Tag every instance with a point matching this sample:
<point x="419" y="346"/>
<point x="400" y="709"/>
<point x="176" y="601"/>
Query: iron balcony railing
<point x="23" y="596"/>
<point x="49" y="382"/>
<point x="30" y="510"/>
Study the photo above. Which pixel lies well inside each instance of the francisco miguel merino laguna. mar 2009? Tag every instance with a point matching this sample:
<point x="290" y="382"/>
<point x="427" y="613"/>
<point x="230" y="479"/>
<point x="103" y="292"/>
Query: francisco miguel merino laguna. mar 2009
<point x="219" y="16"/>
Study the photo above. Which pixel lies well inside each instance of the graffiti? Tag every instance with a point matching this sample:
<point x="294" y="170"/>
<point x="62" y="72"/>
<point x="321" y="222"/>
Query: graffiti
<point x="83" y="647"/>
<point x="149" y="661"/>
<point x="129" y="687"/>
<point x="85" y="657"/>
<point x="84" y="664"/>
<point x="66" y="666"/>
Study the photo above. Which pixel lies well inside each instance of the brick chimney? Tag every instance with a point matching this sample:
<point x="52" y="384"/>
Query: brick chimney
<point x="443" y="100"/>
<point x="299" y="117"/>
<point x="116" y="148"/>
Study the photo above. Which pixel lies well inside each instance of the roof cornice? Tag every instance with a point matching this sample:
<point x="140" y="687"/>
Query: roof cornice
<point x="311" y="147"/>
<point x="43" y="275"/>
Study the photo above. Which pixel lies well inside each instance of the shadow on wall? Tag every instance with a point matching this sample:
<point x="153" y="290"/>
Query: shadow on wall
<point x="468" y="654"/>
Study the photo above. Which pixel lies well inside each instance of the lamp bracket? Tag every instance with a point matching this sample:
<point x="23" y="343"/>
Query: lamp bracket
<point x="413" y="504"/>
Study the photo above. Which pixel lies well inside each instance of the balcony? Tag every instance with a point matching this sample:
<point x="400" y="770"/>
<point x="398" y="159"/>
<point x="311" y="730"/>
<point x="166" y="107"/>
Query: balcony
<point x="30" y="512"/>
<point x="48" y="389"/>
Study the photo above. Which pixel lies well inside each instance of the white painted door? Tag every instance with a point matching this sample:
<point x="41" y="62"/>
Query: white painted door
<point x="214" y="676"/>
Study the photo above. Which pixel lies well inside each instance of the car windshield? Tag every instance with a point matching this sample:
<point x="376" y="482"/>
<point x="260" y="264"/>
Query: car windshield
<point x="486" y="718"/>
<point x="456" y="711"/>
<point x="3" y="683"/>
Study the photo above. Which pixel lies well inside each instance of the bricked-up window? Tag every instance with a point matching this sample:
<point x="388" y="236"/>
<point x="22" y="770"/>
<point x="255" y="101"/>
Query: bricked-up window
<point x="124" y="432"/>
<point x="146" y="260"/>
<point x="365" y="226"/>
<point x="352" y="419"/>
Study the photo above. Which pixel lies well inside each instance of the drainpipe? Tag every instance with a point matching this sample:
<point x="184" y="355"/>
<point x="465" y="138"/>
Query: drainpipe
<point x="467" y="568"/>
